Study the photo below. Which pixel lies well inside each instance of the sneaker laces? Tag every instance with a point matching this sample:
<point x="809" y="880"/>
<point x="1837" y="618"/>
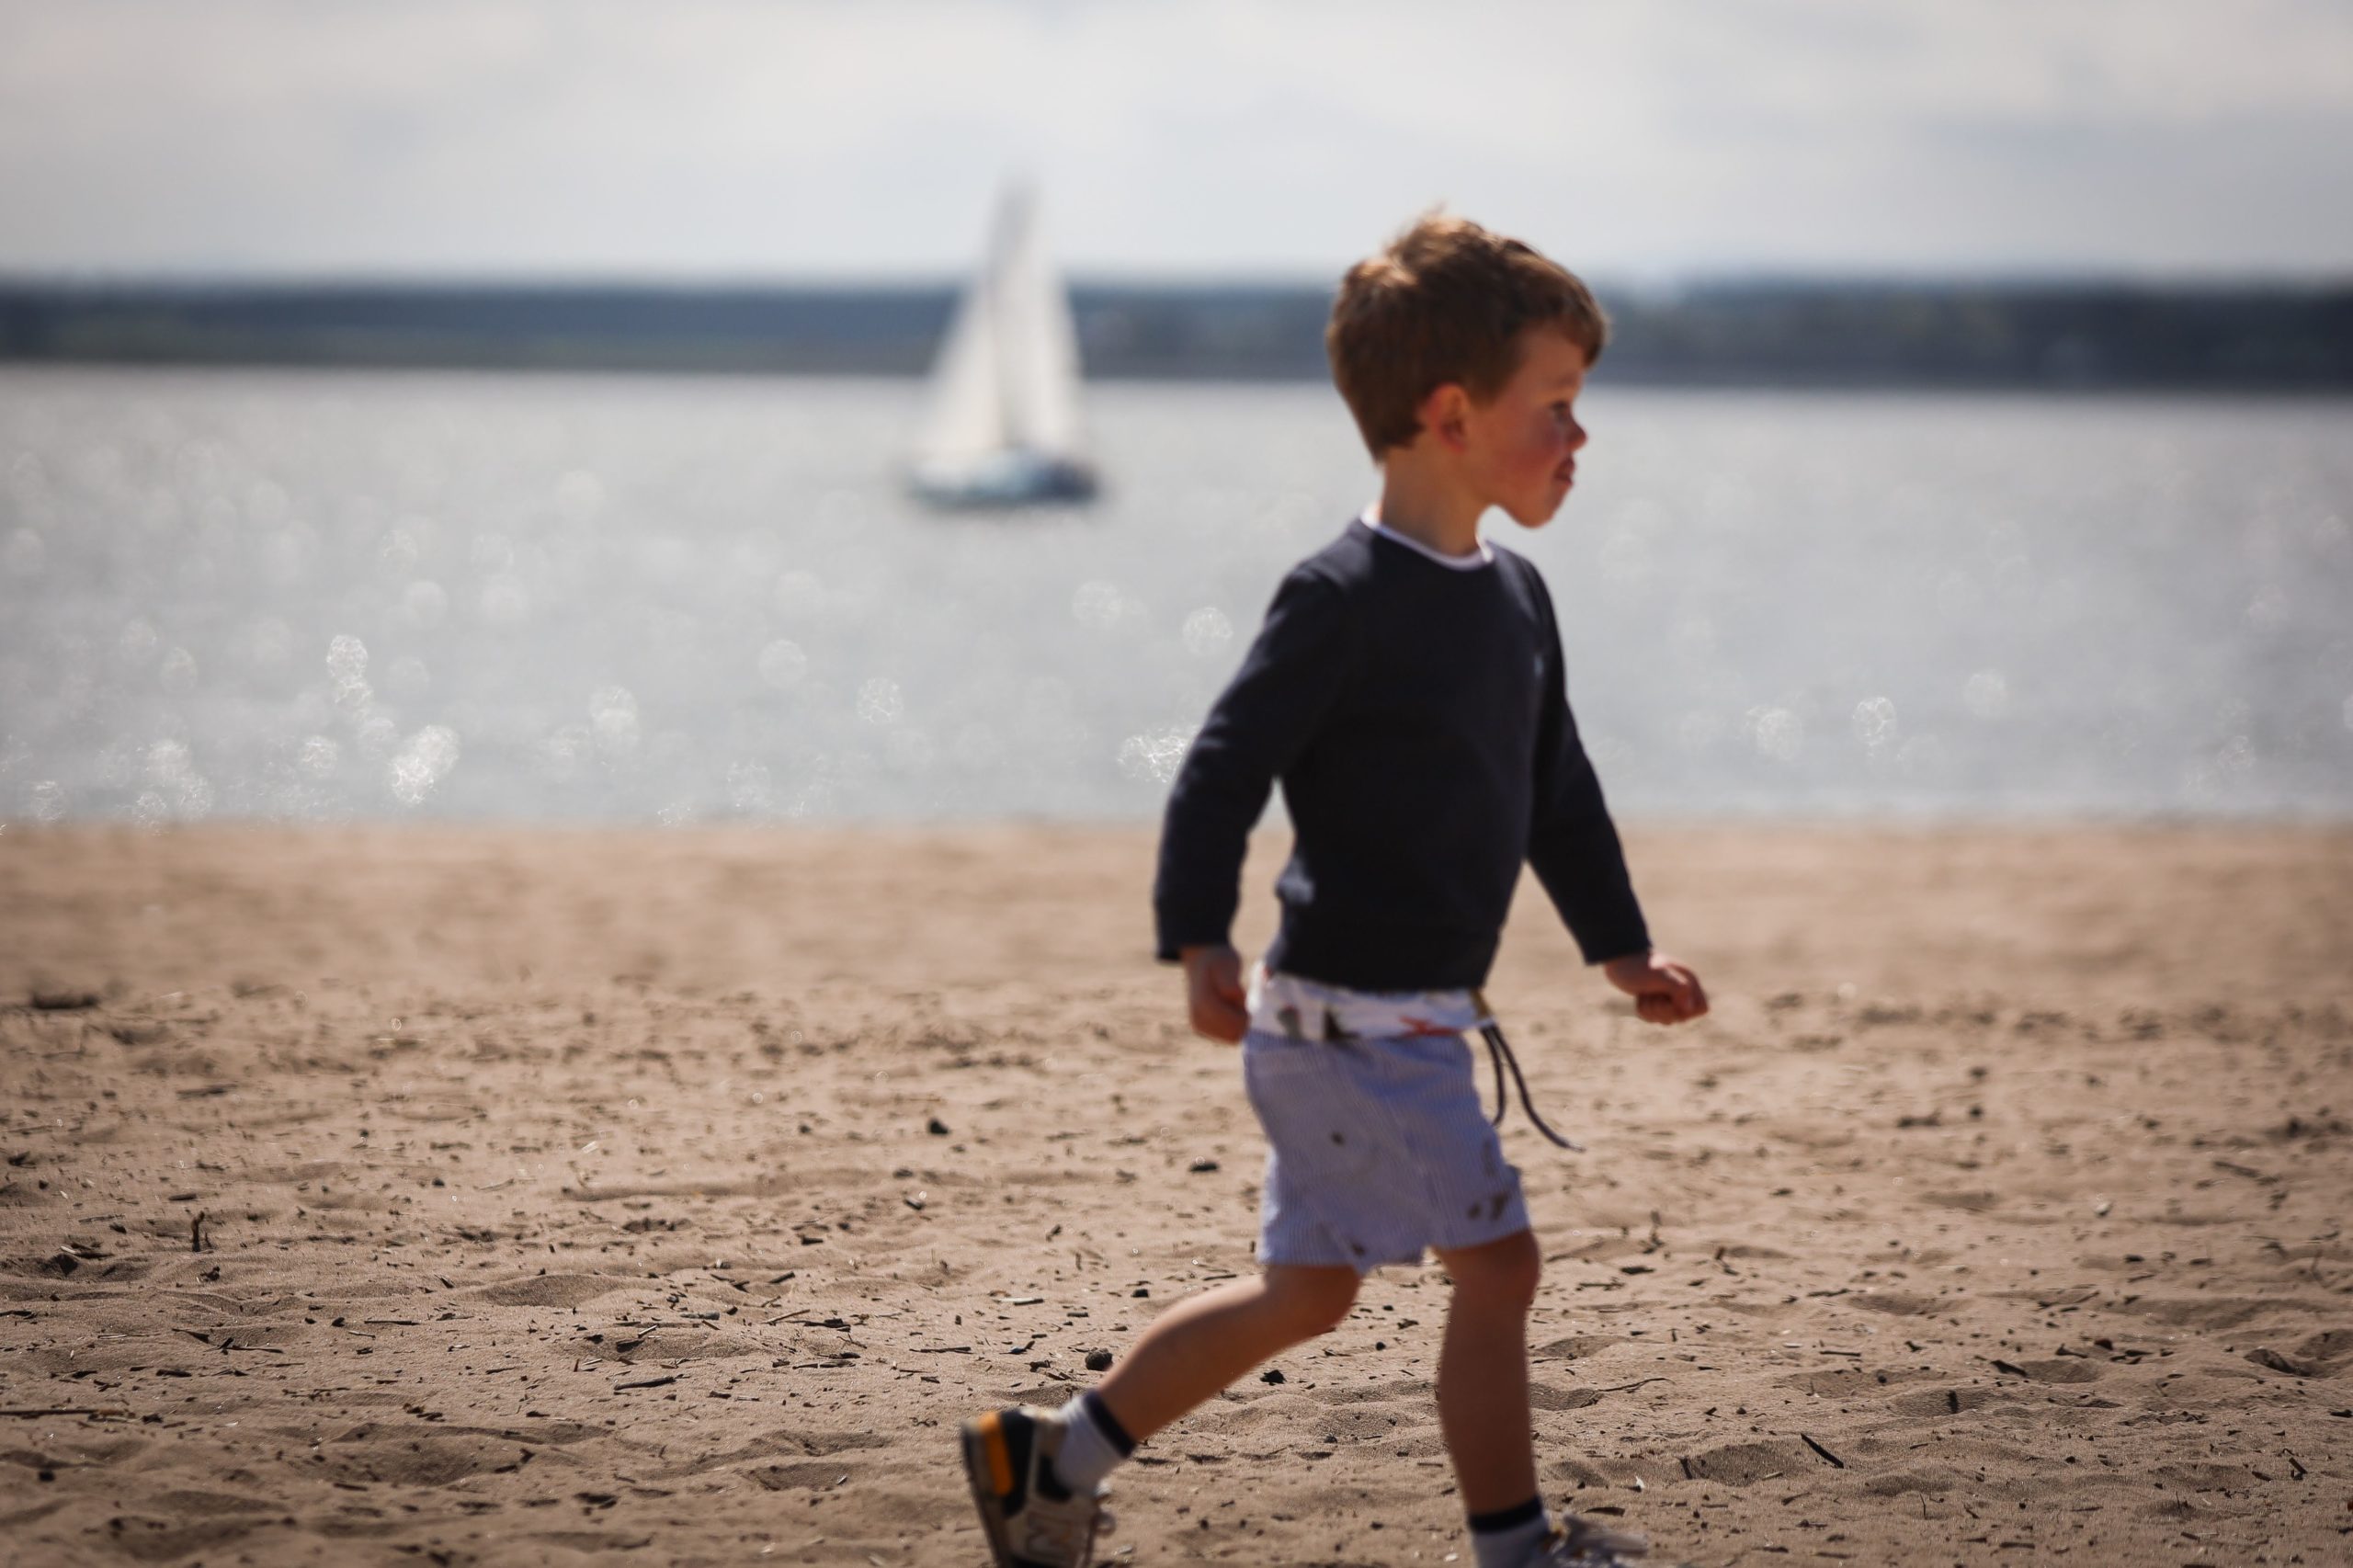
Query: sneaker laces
<point x="1067" y="1527"/>
<point x="1499" y="1055"/>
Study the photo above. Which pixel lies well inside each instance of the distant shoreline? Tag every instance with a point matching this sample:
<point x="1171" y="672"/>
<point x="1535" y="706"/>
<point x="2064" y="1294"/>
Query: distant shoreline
<point x="2072" y="336"/>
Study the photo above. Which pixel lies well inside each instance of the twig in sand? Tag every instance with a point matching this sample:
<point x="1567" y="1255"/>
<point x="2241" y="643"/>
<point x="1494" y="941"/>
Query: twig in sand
<point x="1825" y="1453"/>
<point x="1628" y="1388"/>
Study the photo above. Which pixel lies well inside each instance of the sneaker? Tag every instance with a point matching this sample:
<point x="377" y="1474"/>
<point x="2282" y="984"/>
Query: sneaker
<point x="1580" y="1543"/>
<point x="1031" y="1518"/>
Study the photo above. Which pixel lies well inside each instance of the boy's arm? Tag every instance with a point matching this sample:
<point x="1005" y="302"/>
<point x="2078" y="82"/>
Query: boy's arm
<point x="1264" y="718"/>
<point x="1575" y="848"/>
<point x="1573" y="844"/>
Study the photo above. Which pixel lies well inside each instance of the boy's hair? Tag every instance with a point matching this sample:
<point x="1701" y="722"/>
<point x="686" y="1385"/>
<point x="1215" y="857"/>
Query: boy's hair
<point x="1446" y="302"/>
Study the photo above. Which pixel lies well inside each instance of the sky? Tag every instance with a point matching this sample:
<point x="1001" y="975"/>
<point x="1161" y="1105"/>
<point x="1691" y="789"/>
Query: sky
<point x="759" y="140"/>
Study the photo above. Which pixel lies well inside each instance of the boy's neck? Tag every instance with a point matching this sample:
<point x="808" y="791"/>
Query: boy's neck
<point x="1428" y="505"/>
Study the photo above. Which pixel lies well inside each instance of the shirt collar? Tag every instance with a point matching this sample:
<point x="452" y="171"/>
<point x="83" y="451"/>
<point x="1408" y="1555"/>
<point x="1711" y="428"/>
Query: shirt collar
<point x="1484" y="555"/>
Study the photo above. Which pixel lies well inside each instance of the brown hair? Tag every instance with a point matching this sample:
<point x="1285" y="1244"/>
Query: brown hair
<point x="1446" y="302"/>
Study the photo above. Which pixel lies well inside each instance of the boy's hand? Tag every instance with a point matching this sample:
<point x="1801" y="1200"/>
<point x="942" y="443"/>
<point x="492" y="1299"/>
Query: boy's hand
<point x="1214" y="995"/>
<point x="1665" y="992"/>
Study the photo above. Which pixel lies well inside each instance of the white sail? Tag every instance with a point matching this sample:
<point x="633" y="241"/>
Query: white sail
<point x="1004" y="417"/>
<point x="1040" y="345"/>
<point x="968" y="412"/>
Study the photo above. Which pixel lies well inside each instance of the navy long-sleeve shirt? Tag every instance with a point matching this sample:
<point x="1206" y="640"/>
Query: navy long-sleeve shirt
<point x="1416" y="716"/>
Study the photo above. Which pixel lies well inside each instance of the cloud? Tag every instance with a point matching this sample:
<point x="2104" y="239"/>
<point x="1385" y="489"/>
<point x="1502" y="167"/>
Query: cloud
<point x="733" y="137"/>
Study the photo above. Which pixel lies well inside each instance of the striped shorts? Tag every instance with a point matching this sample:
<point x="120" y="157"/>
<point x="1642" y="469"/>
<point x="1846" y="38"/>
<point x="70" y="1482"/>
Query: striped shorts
<point x="1376" y="1149"/>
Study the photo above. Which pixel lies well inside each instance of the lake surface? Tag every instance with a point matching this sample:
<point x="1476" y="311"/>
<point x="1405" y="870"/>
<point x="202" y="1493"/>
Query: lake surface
<point x="324" y="595"/>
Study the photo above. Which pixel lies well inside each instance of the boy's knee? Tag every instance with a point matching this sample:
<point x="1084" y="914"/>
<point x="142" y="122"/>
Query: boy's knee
<point x="1317" y="1300"/>
<point x="1502" y="1274"/>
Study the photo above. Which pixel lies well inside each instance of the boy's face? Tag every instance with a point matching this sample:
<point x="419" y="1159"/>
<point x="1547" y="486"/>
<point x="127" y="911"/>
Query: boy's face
<point x="1520" y="449"/>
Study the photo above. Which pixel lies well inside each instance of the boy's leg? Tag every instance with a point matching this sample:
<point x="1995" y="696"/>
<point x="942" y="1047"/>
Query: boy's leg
<point x="1483" y="1409"/>
<point x="1483" y="1372"/>
<point x="1036" y="1476"/>
<point x="1201" y="1344"/>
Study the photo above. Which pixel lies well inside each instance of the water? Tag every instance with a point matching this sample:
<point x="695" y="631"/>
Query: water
<point x="334" y="596"/>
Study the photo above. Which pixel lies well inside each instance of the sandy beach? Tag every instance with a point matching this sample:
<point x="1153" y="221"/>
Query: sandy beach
<point x="468" y="1195"/>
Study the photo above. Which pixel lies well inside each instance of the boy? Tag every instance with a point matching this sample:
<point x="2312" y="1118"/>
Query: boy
<point x="1408" y="691"/>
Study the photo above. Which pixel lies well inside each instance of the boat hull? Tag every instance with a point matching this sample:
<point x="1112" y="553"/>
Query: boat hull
<point x="1003" y="480"/>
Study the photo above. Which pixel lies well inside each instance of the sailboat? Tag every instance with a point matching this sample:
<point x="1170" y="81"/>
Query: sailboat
<point x="1003" y="428"/>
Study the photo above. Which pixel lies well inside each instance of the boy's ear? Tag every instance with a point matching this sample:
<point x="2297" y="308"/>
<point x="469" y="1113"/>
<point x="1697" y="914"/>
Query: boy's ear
<point x="1442" y="414"/>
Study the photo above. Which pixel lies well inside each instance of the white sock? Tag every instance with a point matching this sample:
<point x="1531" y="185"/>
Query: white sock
<point x="1510" y="1548"/>
<point x="1088" y="1453"/>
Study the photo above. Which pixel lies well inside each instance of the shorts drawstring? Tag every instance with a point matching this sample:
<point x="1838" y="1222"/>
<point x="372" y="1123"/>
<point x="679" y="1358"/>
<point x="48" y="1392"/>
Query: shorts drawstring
<point x="1499" y="1053"/>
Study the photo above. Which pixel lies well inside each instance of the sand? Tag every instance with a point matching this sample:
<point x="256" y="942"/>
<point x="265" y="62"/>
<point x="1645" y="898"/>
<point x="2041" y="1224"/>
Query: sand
<point x="462" y="1195"/>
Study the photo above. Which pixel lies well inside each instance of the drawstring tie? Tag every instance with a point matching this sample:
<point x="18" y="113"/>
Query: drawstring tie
<point x="1499" y="1053"/>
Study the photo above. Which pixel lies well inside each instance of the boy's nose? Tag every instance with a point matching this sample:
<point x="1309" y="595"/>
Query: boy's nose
<point x="1577" y="436"/>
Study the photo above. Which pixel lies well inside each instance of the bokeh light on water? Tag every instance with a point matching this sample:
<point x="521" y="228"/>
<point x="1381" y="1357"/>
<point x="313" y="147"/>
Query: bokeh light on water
<point x="308" y="596"/>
